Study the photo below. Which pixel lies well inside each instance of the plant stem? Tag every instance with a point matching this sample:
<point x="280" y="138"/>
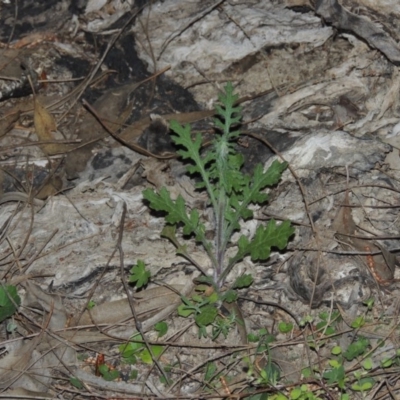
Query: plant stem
<point x="220" y="231"/>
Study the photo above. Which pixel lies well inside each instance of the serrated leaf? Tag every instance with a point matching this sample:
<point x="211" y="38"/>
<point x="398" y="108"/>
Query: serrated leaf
<point x="175" y="210"/>
<point x="229" y="296"/>
<point x="334" y="375"/>
<point x="272" y="235"/>
<point x="356" y="349"/>
<point x="139" y="275"/>
<point x="243" y="281"/>
<point x="261" y="180"/>
<point x="183" y="137"/>
<point x="207" y="315"/>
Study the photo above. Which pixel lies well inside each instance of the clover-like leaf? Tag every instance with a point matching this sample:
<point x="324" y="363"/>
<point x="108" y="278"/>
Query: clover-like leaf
<point x="139" y="274"/>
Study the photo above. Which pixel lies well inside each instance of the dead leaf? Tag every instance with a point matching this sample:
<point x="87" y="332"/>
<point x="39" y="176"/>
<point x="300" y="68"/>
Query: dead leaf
<point x="45" y="125"/>
<point x="381" y="266"/>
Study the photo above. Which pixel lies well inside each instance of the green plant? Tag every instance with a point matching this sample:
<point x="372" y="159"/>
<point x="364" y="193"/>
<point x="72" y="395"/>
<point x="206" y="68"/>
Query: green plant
<point x="136" y="348"/>
<point x="108" y="373"/>
<point x="230" y="192"/>
<point x="270" y="373"/>
<point x="9" y="301"/>
<point x="139" y="275"/>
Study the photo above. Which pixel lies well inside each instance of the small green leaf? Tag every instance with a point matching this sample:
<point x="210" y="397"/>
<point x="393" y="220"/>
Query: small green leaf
<point x="213" y="298"/>
<point x="211" y="368"/>
<point x="263" y="332"/>
<point x="76" y="382"/>
<point x="198" y="298"/>
<point x="307" y="372"/>
<point x="370" y="303"/>
<point x="128" y="351"/>
<point x="336" y="350"/>
<point x="367" y="364"/>
<point x="363" y="385"/>
<point x="184" y="311"/>
<point x="134" y="374"/>
<point x="107" y="373"/>
<point x="356" y="349"/>
<point x="206" y="316"/>
<point x="161" y="328"/>
<point x="229" y="296"/>
<point x="243" y="281"/>
<point x="335" y="375"/>
<point x="202" y="331"/>
<point x="358" y="323"/>
<point x="11" y="326"/>
<point x="308" y="319"/>
<point x="139" y="275"/>
<point x="295" y="393"/>
<point x="9" y="301"/>
<point x="273" y="374"/>
<point x="387" y="363"/>
<point x="324" y="315"/>
<point x="334" y="363"/>
<point x="145" y="355"/>
<point x="252" y="338"/>
<point x="91" y="304"/>
<point x="330" y="330"/>
<point x="285" y="327"/>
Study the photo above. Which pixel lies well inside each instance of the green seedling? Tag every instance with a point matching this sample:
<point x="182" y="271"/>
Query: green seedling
<point x="139" y="275"/>
<point x="9" y="301"/>
<point x="107" y="373"/>
<point x="76" y="382"/>
<point x="136" y="349"/>
<point x="230" y="193"/>
<point x="91" y="305"/>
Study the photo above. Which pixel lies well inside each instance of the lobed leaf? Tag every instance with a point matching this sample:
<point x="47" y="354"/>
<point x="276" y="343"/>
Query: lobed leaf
<point x="175" y="210"/>
<point x="266" y="237"/>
